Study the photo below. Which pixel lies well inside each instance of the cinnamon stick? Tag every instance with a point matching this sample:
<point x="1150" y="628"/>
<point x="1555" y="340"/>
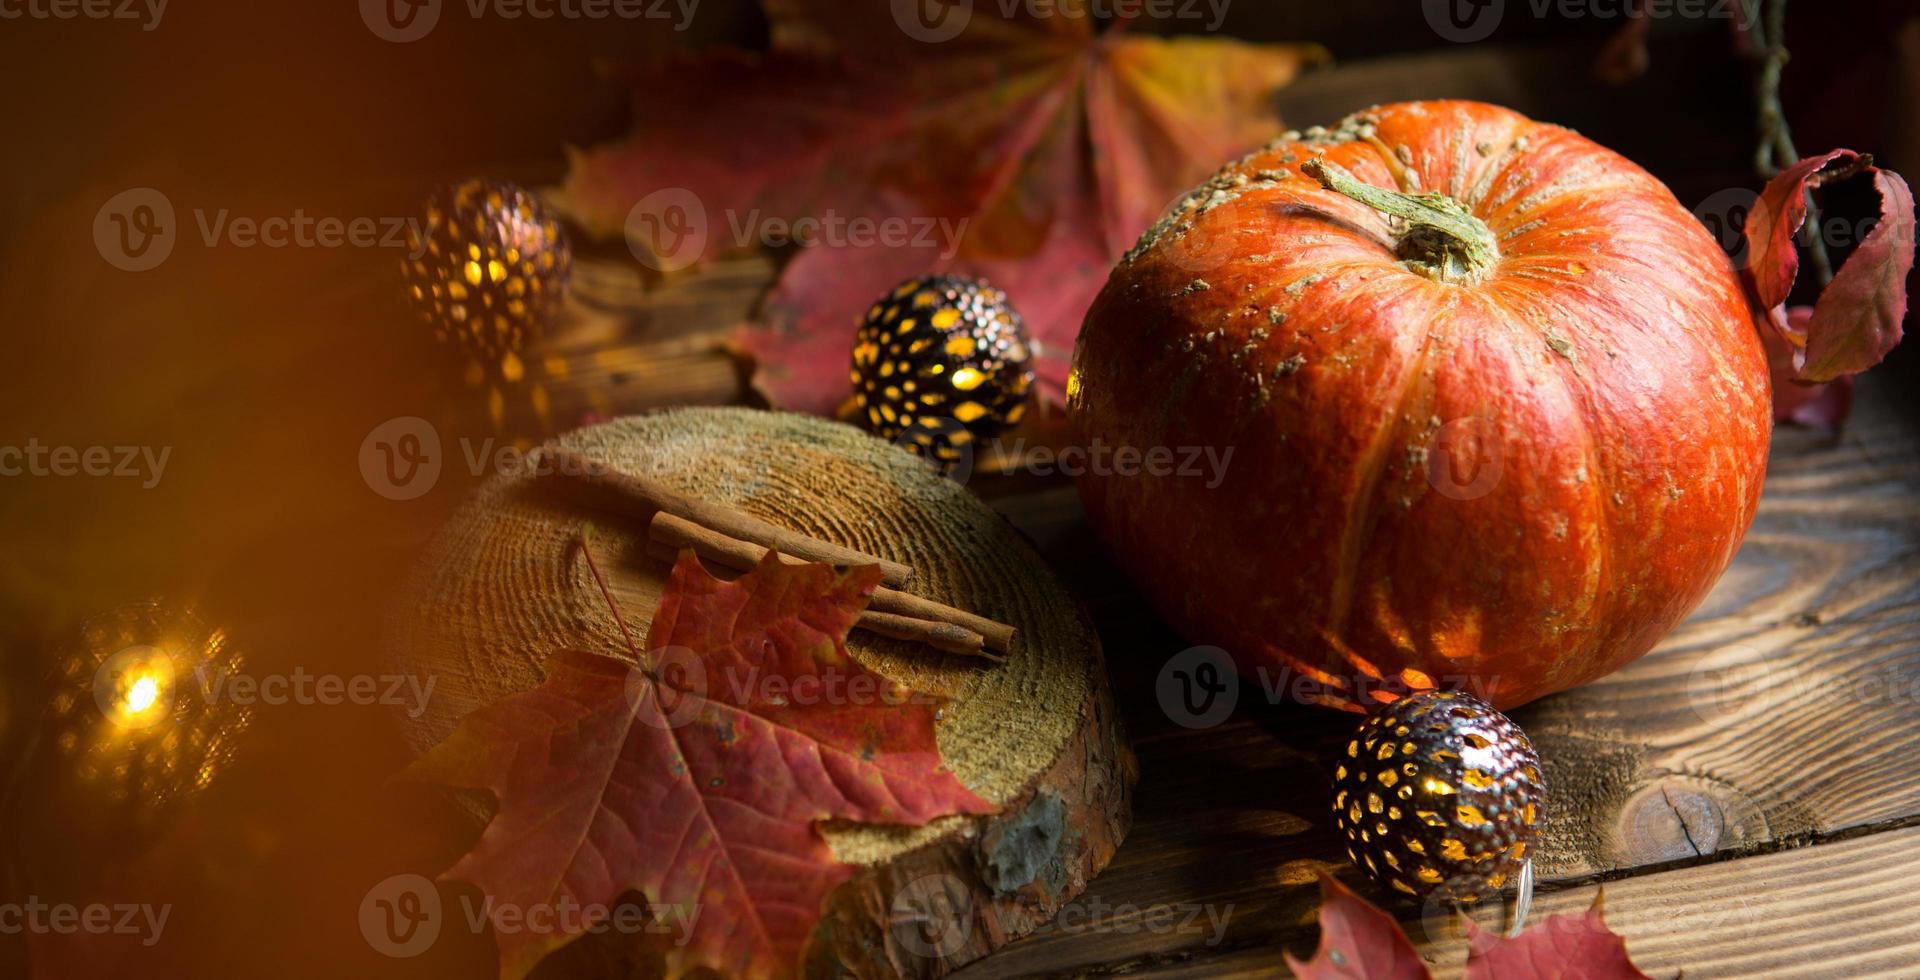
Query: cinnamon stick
<point x="650" y="495"/>
<point x="945" y="637"/>
<point x="735" y="553"/>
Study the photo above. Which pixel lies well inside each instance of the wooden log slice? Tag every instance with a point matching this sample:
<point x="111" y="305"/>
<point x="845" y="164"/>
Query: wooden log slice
<point x="503" y="585"/>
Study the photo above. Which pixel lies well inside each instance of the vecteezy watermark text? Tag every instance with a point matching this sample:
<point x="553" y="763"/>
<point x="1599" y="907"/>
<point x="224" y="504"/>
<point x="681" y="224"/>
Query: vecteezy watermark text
<point x="932" y="916"/>
<point x="1738" y="684"/>
<point x="401" y="21"/>
<point x="1727" y="212"/>
<point x="401" y="458"/>
<point x="1096" y="458"/>
<point x="143" y="463"/>
<point x="147" y="12"/>
<point x="831" y="227"/>
<point x="678" y="684"/>
<point x="137" y="687"/>
<point x="403" y="915"/>
<point x="1094" y="914"/>
<point x="1466" y="21"/>
<point x="1200" y="686"/>
<point x="669" y="229"/>
<point x="40" y="917"/>
<point x="137" y="229"/>
<point x="410" y="692"/>
<point x="1099" y="458"/>
<point x="934" y="21"/>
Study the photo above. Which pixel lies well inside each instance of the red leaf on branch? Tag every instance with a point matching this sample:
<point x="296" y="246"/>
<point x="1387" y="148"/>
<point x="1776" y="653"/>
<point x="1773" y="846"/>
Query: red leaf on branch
<point x="1564" y="947"/>
<point x="1027" y="148"/>
<point x="698" y="779"/>
<point x="1772" y="224"/>
<point x="1357" y="941"/>
<point x="1856" y="320"/>
<point x="1821" y="406"/>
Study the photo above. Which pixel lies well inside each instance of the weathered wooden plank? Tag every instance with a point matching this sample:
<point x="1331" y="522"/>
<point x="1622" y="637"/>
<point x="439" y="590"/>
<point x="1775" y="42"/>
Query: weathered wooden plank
<point x="629" y="343"/>
<point x="1770" y="915"/>
<point x="1838" y="909"/>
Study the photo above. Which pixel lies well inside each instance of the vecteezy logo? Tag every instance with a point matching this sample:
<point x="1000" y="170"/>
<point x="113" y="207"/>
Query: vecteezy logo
<point x="667" y="229"/>
<point x="932" y="917"/>
<point x="932" y="21"/>
<point x="677" y="683"/>
<point x="400" y="458"/>
<point x="1463" y="21"/>
<point x="1444" y="910"/>
<point x="400" y="917"/>
<point x="134" y="687"/>
<point x="1466" y="459"/>
<point x="1197" y="687"/>
<point x="944" y="444"/>
<point x="1726" y="213"/>
<point x="135" y="230"/>
<point x="1729" y="684"/>
<point x="400" y="21"/>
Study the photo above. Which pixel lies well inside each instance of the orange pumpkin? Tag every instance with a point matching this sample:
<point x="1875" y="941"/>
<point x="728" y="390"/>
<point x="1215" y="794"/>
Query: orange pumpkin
<point x="1498" y="409"/>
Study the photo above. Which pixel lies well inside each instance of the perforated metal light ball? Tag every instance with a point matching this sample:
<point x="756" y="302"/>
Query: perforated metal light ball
<point x="487" y="268"/>
<point x="1438" y="793"/>
<point x="941" y="361"/>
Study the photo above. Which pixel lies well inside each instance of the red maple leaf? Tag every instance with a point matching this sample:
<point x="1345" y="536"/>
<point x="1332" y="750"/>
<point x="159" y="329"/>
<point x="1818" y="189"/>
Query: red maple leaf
<point x="698" y="778"/>
<point x="1358" y="941"/>
<point x="1564" y="947"/>
<point x="1017" y="143"/>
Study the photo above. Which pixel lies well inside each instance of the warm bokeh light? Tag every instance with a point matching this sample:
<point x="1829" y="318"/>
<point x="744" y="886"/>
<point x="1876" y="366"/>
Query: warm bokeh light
<point x="145" y="691"/>
<point x="133" y="687"/>
<point x="145" y="739"/>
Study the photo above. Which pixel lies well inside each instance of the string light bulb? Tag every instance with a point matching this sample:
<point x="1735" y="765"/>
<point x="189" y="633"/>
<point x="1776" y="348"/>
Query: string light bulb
<point x="126" y="709"/>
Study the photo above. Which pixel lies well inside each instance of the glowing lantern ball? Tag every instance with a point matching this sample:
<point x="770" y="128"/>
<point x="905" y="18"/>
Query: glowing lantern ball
<point x="1438" y="792"/>
<point x="487" y="270"/>
<point x="939" y="362"/>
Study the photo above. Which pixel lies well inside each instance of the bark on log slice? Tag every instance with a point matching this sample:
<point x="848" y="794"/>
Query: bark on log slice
<point x="503" y="585"/>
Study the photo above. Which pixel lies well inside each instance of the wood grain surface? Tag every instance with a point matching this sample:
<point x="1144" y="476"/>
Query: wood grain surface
<point x="1772" y="915"/>
<point x="1785" y="712"/>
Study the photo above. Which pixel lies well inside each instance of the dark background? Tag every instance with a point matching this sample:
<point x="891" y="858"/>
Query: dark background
<point x="264" y="368"/>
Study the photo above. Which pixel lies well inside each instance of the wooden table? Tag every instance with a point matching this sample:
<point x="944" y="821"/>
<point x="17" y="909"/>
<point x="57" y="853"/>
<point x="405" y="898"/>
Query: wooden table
<point x="1748" y="793"/>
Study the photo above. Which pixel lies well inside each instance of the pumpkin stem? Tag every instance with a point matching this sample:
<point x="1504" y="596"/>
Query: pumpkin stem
<point x="1443" y="239"/>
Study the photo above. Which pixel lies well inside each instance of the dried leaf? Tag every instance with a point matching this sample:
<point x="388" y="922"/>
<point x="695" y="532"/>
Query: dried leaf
<point x="1624" y="57"/>
<point x="1028" y="149"/>
<point x="699" y="779"/>
<point x="1857" y="318"/>
<point x="1772" y="224"/>
<point x="1821" y="406"/>
<point x="1563" y="947"/>
<point x="1357" y="941"/>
